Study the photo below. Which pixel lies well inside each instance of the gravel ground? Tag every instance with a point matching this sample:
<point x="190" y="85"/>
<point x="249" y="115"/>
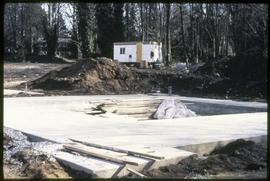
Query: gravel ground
<point x="26" y="159"/>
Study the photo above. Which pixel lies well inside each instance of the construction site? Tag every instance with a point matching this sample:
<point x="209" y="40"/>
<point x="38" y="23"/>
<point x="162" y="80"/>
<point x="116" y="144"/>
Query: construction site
<point x="136" y="131"/>
<point x="183" y="102"/>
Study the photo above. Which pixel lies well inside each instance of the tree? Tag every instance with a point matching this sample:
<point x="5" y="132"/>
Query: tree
<point x="248" y="27"/>
<point x="118" y="26"/>
<point x="193" y="32"/>
<point x="22" y="28"/>
<point x="131" y="23"/>
<point x="183" y="33"/>
<point x="168" y="38"/>
<point x="51" y="25"/>
<point x="105" y="20"/>
<point x="83" y="11"/>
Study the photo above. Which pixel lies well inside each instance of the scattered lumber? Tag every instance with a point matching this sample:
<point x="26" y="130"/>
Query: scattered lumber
<point x="136" y="172"/>
<point x="97" y="153"/>
<point x="118" y="149"/>
<point x="143" y="108"/>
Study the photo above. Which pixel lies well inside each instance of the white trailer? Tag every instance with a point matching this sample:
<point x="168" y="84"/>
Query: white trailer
<point x="136" y="52"/>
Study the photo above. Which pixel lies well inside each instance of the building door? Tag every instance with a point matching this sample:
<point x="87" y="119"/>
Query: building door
<point x="139" y="52"/>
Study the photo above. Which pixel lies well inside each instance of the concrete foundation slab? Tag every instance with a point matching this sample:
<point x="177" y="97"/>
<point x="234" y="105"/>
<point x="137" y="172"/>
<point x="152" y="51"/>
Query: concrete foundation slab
<point x="62" y="117"/>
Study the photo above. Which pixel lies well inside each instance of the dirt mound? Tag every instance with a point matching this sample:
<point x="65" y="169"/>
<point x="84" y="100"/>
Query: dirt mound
<point x="217" y="79"/>
<point x="238" y="157"/>
<point x="38" y="166"/>
<point x="94" y="76"/>
<point x="105" y="76"/>
<point x="244" y="75"/>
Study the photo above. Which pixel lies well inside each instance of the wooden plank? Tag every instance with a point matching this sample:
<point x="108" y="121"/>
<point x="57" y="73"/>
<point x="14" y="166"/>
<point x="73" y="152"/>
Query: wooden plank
<point x="128" y="110"/>
<point x="146" y="115"/>
<point x="97" y="153"/>
<point x="131" y="106"/>
<point x="114" y="101"/>
<point x="135" y="111"/>
<point x="136" y="172"/>
<point x="133" y="102"/>
<point x="118" y="149"/>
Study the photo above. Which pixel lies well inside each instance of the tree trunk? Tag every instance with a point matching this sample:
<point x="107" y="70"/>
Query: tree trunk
<point x="142" y="22"/>
<point x="168" y="38"/>
<point x="127" y="22"/>
<point x="183" y="34"/>
<point x="83" y="29"/>
<point x="22" y="48"/>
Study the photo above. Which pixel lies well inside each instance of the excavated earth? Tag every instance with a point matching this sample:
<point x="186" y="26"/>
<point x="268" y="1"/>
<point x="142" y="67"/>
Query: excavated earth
<point x="218" y="78"/>
<point x="239" y="159"/>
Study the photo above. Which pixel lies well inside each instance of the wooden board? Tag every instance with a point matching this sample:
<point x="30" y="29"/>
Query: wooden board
<point x="99" y="153"/>
<point x="129" y="152"/>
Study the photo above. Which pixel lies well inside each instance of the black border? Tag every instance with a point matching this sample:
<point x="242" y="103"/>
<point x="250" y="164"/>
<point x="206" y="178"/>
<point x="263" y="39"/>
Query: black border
<point x="109" y="1"/>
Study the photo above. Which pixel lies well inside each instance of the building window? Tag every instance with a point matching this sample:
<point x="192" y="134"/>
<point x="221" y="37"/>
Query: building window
<point x="122" y="50"/>
<point x="151" y="54"/>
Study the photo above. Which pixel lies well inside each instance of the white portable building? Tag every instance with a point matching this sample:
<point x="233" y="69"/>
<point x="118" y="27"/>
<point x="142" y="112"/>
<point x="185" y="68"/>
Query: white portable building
<point x="136" y="52"/>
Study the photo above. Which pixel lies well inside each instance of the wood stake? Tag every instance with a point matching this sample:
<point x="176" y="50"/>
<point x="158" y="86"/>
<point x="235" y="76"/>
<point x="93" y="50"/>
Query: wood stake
<point x="136" y="172"/>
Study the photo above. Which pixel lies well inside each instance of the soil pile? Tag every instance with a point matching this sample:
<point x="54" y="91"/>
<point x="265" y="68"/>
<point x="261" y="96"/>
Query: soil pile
<point x="240" y="157"/>
<point x="244" y="75"/>
<point x="94" y="76"/>
<point x="105" y="76"/>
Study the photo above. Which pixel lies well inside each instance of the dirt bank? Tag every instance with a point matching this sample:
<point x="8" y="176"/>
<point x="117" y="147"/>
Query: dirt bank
<point x="239" y="159"/>
<point x="217" y="79"/>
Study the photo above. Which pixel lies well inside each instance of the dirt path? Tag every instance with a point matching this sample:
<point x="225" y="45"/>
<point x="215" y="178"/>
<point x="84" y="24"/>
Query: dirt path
<point x="17" y="73"/>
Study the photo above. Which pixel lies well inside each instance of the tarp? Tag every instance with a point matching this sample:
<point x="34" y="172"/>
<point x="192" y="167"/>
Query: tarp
<point x="172" y="108"/>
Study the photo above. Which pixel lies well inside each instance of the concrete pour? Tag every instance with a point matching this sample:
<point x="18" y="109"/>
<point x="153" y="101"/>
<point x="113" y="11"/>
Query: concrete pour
<point x="62" y="117"/>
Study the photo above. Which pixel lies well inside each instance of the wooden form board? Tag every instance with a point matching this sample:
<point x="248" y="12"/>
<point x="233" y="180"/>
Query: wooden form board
<point x="101" y="168"/>
<point x="118" y="150"/>
<point x="143" y="108"/>
<point x="100" y="153"/>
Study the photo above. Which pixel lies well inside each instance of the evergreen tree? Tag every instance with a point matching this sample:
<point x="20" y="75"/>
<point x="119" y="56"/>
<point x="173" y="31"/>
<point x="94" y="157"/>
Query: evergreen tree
<point x="118" y="27"/>
<point x="105" y="22"/>
<point x="83" y="11"/>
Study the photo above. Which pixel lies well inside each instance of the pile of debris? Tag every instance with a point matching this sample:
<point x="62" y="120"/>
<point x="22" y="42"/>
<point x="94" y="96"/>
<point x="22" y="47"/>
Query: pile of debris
<point x="25" y="159"/>
<point x="238" y="159"/>
<point x="93" y="76"/>
<point x="244" y="75"/>
<point x="106" y="76"/>
<point x="227" y="77"/>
